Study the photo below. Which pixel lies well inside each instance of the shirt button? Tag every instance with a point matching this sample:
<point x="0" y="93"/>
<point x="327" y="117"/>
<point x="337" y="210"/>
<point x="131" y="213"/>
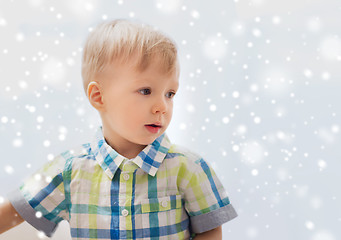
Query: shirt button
<point x="126" y="176"/>
<point x="164" y="203"/>
<point x="125" y="212"/>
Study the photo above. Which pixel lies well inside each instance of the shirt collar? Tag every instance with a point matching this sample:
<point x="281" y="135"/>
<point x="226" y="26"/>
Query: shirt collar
<point x="149" y="159"/>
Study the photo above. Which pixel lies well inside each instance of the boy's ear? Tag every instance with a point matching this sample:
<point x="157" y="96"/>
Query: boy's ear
<point x="94" y="93"/>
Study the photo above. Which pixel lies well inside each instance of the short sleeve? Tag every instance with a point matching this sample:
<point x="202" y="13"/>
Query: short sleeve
<point x="206" y="200"/>
<point x="40" y="200"/>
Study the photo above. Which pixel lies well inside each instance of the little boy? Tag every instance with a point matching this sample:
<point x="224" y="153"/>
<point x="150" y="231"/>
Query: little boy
<point x="130" y="182"/>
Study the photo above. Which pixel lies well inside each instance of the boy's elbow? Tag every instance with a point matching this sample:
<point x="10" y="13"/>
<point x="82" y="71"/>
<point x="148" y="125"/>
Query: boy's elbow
<point x="9" y="217"/>
<point x="214" y="234"/>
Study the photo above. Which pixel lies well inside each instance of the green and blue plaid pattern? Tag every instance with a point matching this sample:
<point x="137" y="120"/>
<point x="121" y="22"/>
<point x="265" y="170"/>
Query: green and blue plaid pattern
<point x="166" y="192"/>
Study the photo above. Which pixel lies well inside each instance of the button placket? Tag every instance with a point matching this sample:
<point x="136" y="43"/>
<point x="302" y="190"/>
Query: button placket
<point x="127" y="181"/>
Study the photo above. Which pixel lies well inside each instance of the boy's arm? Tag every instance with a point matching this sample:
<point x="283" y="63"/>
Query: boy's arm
<point x="9" y="217"/>
<point x="214" y="234"/>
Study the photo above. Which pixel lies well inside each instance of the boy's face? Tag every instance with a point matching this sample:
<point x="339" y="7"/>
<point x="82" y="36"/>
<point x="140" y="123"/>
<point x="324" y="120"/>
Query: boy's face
<point x="134" y="100"/>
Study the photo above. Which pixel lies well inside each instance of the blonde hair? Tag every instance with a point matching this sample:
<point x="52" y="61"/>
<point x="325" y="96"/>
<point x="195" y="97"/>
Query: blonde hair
<point x="119" y="40"/>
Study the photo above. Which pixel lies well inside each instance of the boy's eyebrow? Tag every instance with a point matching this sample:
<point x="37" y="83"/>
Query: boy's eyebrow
<point x="139" y="80"/>
<point x="145" y="80"/>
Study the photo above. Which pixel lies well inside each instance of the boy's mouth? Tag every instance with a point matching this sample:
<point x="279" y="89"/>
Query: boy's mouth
<point x="153" y="128"/>
<point x="153" y="125"/>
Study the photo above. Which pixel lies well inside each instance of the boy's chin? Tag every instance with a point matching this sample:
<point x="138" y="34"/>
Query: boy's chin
<point x="149" y="140"/>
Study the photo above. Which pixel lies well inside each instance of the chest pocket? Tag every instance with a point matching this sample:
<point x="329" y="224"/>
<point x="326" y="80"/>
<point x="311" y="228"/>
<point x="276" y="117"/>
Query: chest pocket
<point x="164" y="217"/>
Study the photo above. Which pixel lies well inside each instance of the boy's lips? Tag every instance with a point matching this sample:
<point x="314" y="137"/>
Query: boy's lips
<point x="156" y="124"/>
<point x="154" y="127"/>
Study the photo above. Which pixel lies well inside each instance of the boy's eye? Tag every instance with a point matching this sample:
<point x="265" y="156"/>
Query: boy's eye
<point x="145" y="91"/>
<point x="170" y="94"/>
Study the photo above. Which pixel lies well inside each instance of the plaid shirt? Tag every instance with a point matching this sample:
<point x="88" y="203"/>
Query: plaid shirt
<point x="166" y="192"/>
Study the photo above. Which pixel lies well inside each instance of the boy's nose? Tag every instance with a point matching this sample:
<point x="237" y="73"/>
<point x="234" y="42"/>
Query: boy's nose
<point x="159" y="106"/>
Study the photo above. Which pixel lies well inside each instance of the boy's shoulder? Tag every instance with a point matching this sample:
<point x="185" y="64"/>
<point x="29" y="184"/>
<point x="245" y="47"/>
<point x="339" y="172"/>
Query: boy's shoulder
<point x="79" y="153"/>
<point x="184" y="155"/>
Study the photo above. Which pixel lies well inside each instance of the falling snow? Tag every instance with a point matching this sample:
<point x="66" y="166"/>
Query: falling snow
<point x="259" y="98"/>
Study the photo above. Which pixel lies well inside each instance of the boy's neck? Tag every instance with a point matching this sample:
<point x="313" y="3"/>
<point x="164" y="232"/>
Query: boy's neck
<point x="126" y="149"/>
<point x="129" y="153"/>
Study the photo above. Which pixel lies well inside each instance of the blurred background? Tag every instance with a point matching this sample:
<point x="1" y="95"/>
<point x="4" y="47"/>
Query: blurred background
<point x="259" y="99"/>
